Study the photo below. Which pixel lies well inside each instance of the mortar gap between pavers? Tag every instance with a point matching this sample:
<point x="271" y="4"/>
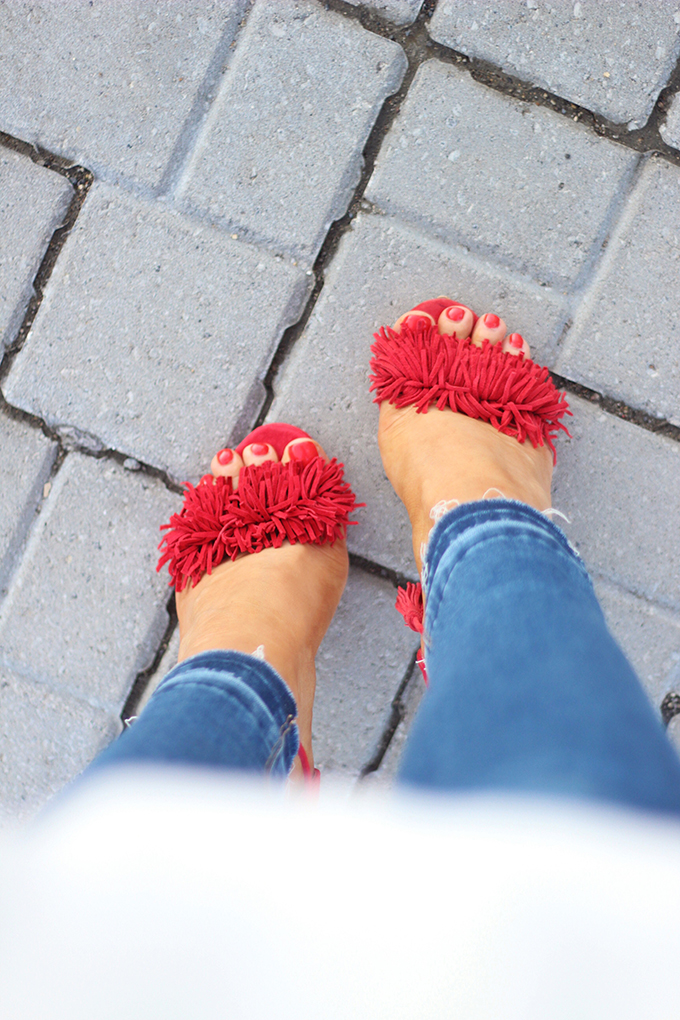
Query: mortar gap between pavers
<point x="397" y="715"/>
<point x="670" y="706"/>
<point x="141" y="681"/>
<point x="56" y="243"/>
<point x="619" y="409"/>
<point x="380" y="24"/>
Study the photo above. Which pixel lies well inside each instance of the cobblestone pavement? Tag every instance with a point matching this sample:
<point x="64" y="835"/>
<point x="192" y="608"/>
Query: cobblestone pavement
<point x="208" y="207"/>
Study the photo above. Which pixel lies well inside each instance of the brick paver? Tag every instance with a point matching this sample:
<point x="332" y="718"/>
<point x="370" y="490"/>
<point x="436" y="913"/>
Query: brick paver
<point x="534" y="191"/>
<point x="619" y="485"/>
<point x="626" y="332"/>
<point x="33" y="202"/>
<point x="613" y="57"/>
<point x="283" y="179"/>
<point x="46" y="738"/>
<point x="26" y="459"/>
<point x="109" y="85"/>
<point x="154" y="333"/>
<point x="85" y="611"/>
<point x="399" y="12"/>
<point x="670" y="128"/>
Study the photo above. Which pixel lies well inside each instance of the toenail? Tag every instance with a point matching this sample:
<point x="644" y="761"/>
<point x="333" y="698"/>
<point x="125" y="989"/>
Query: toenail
<point x="455" y="313"/>
<point x="225" y="456"/>
<point x="415" y="320"/>
<point x="207" y="478"/>
<point x="259" y="449"/>
<point x="303" y="451"/>
<point x="516" y="340"/>
<point x="492" y="321"/>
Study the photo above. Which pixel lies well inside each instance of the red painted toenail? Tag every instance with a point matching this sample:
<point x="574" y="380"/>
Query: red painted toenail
<point x="225" y="456"/>
<point x="207" y="479"/>
<point x="304" y="452"/>
<point x="455" y="313"/>
<point x="492" y="321"/>
<point x="516" y="340"/>
<point x="259" y="449"/>
<point x="415" y="320"/>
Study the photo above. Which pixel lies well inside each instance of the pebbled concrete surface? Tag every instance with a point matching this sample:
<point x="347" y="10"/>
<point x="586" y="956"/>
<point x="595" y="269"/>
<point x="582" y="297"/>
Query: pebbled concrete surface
<point x="33" y="203"/>
<point x="536" y="192"/>
<point x="670" y="128"/>
<point x="112" y="86"/>
<point x="626" y="333"/>
<point x="154" y="333"/>
<point x="85" y="610"/>
<point x="613" y="58"/>
<point x="164" y="315"/>
<point x="285" y="179"/>
<point x="47" y="738"/>
<point x="26" y="460"/>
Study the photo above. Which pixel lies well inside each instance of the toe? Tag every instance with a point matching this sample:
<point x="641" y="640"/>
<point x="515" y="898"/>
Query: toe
<point x="412" y="318"/>
<point x="489" y="327"/>
<point x="303" y="450"/>
<point x="226" y="464"/>
<point x="516" y="344"/>
<point x="457" y="321"/>
<point x="258" y="453"/>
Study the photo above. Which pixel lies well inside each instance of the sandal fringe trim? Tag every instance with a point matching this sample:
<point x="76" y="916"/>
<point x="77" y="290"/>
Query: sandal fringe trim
<point x="274" y="503"/>
<point x="410" y="604"/>
<point x="419" y="366"/>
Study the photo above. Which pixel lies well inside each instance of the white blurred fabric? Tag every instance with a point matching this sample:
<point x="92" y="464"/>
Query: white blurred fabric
<point x="180" y="894"/>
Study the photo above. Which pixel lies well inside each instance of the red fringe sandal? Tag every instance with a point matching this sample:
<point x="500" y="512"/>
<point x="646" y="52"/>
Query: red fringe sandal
<point x="419" y="366"/>
<point x="274" y="503"/>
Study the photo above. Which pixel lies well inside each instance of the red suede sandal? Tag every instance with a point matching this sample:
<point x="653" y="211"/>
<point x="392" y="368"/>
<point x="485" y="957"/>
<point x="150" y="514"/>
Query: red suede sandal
<point x="419" y="366"/>
<point x="274" y="503"/>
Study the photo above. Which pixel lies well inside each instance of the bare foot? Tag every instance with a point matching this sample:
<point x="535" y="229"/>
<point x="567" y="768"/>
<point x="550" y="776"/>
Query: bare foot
<point x="446" y="456"/>
<point x="282" y="599"/>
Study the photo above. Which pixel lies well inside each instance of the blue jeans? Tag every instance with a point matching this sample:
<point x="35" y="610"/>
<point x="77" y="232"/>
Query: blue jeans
<point x="528" y="690"/>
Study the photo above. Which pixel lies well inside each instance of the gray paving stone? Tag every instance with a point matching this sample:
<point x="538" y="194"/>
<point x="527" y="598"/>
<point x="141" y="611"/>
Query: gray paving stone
<point x="281" y="151"/>
<point x="111" y="85"/>
<point x="626" y="332"/>
<point x="670" y="128"/>
<point x="614" y="57"/>
<point x="648" y="634"/>
<point x="85" y="611"/>
<point x="674" y="732"/>
<point x="399" y="12"/>
<point x="26" y="459"/>
<point x="33" y="202"/>
<point x="154" y="333"/>
<point x="46" y="739"/>
<point x="361" y="663"/>
<point x="619" y="485"/>
<point x="514" y="181"/>
<point x="381" y="269"/>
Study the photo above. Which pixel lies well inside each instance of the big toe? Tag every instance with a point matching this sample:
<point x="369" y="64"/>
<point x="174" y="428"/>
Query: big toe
<point x="303" y="450"/>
